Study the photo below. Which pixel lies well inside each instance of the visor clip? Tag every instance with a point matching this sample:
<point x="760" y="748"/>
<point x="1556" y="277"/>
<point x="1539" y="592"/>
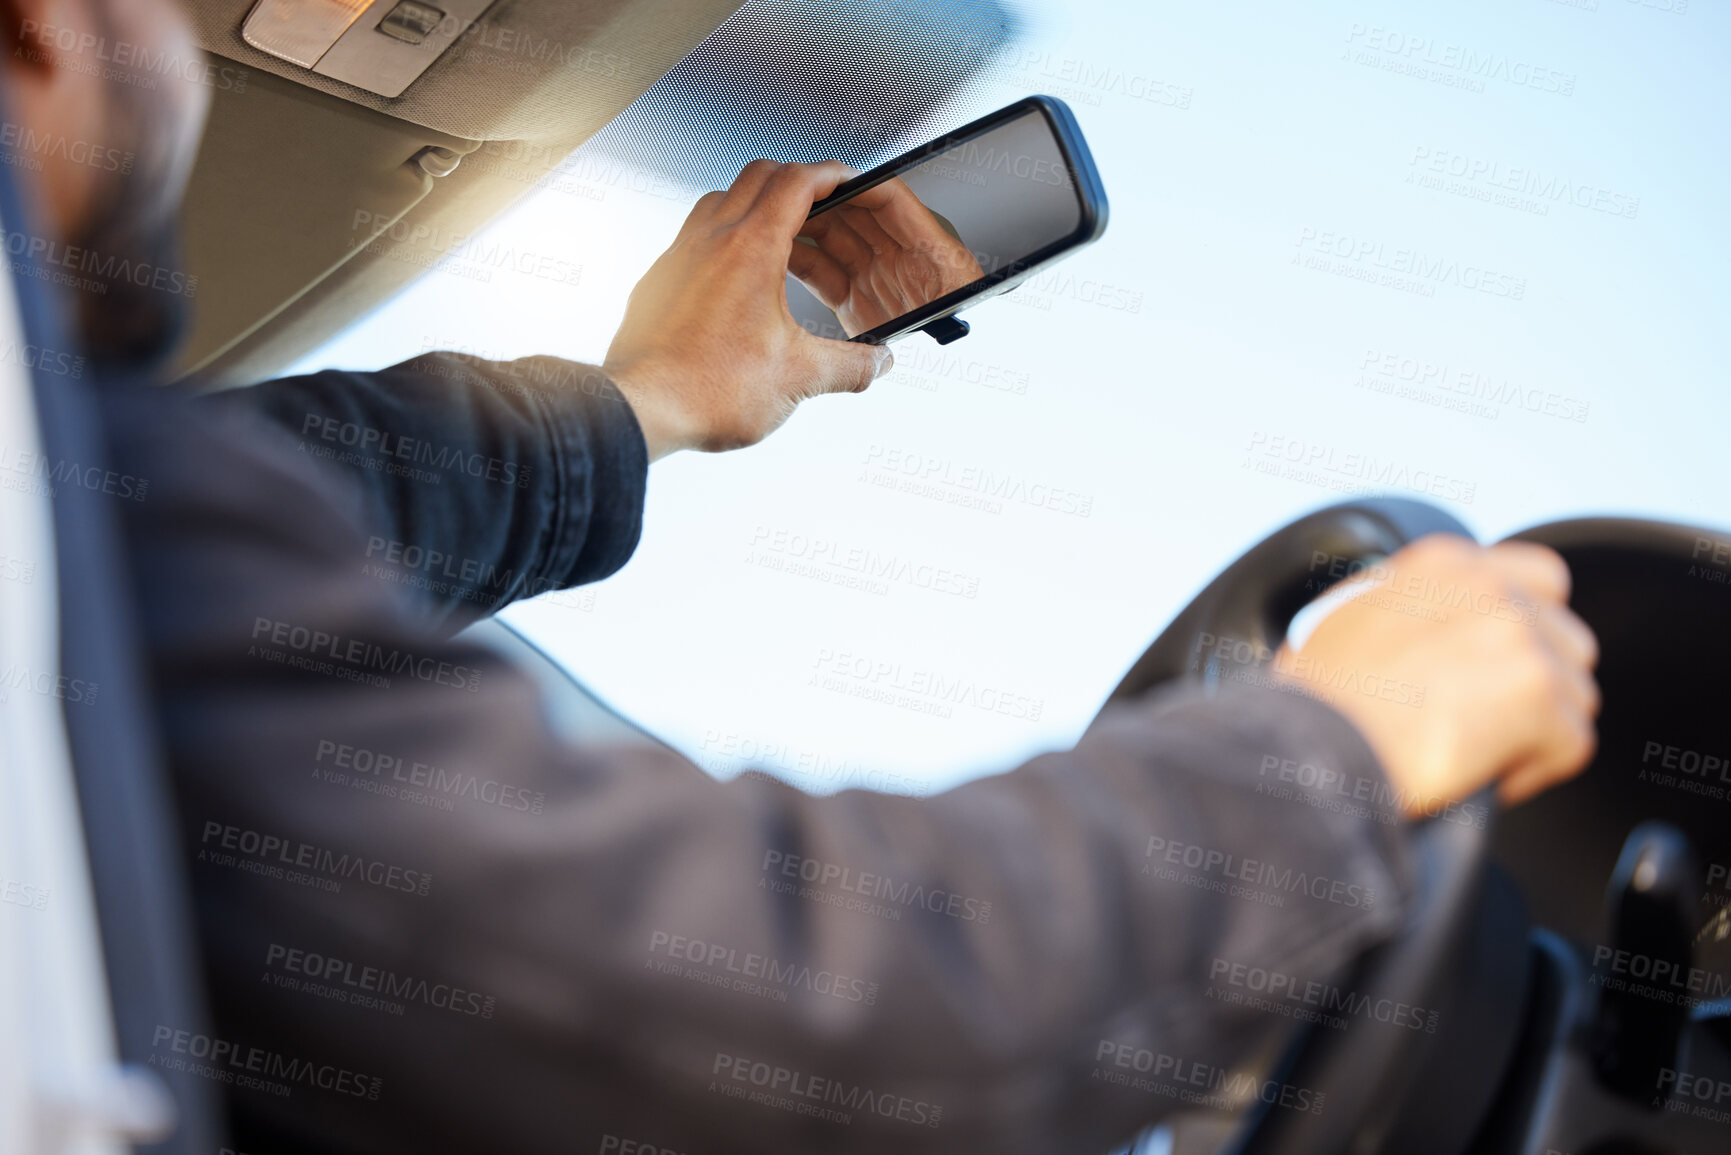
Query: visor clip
<point x="436" y="161"/>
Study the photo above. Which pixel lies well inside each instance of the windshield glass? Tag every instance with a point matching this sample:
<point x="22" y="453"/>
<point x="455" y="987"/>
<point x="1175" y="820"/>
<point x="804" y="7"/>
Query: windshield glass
<point x="1474" y="254"/>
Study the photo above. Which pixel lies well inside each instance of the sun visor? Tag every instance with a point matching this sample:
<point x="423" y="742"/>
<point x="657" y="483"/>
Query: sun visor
<point x="480" y="70"/>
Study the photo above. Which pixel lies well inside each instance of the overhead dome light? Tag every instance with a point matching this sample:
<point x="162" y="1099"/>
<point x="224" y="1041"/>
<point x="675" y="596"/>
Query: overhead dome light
<point x="378" y="45"/>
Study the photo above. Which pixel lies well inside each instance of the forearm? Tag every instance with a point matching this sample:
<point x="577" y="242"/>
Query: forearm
<point x="476" y="482"/>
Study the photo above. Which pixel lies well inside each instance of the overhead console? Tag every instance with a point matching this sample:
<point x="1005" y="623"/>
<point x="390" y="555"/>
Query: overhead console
<point x="349" y="117"/>
<point x="382" y="46"/>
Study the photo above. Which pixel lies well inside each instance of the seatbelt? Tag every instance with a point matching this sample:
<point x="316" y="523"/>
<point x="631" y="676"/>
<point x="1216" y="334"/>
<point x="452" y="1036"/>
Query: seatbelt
<point x="110" y="958"/>
<point x="62" y="1087"/>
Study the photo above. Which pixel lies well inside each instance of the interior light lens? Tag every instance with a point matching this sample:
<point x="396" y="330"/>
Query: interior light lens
<point x="300" y="31"/>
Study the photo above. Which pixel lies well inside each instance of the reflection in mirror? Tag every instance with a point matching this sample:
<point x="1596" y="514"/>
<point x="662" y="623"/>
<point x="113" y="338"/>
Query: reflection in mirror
<point x="941" y="225"/>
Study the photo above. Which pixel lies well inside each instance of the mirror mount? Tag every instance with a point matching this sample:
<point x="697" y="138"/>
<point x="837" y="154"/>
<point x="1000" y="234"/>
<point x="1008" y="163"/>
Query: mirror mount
<point x="946" y="329"/>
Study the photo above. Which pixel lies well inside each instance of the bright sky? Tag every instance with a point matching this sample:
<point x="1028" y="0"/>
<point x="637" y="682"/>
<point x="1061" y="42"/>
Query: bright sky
<point x="1561" y="167"/>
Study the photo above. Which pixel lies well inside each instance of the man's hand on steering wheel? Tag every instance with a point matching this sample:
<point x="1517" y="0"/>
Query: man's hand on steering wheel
<point x="1503" y="665"/>
<point x="709" y="355"/>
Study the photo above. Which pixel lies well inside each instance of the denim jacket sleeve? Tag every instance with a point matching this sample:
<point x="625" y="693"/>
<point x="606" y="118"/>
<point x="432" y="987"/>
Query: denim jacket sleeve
<point x="475" y="482"/>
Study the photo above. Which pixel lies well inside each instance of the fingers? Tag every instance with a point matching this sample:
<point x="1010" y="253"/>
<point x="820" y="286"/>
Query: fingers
<point x="790" y="192"/>
<point x="837" y="238"/>
<point x="1569" y="636"/>
<point x="1536" y="569"/>
<point x="744" y="190"/>
<point x="819" y="272"/>
<point x="863" y="222"/>
<point x="778" y="197"/>
<point x="903" y="215"/>
<point x="1568" y="737"/>
<point x="1565" y="744"/>
<point x="1568" y="750"/>
<point x="845" y="366"/>
<point x="1570" y="700"/>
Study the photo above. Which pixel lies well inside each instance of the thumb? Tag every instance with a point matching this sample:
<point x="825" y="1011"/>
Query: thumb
<point x="845" y="366"/>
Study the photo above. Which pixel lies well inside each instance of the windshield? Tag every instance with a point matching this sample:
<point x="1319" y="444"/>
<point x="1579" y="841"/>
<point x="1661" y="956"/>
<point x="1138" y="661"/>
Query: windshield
<point x="1470" y="254"/>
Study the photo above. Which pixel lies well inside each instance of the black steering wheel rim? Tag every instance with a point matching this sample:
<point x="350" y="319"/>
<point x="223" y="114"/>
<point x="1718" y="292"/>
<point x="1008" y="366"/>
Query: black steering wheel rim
<point x="1253" y="600"/>
<point x="1458" y="917"/>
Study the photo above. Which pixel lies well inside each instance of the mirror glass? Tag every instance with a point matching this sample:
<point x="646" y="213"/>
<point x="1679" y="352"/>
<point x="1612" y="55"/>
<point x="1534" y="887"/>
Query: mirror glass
<point x="951" y="219"/>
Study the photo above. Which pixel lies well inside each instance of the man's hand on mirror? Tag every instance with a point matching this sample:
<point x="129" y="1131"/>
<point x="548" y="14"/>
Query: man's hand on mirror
<point x="1463" y="667"/>
<point x="881" y="254"/>
<point x="709" y="355"/>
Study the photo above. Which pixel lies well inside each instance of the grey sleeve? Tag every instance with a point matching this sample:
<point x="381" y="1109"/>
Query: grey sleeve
<point x="429" y="925"/>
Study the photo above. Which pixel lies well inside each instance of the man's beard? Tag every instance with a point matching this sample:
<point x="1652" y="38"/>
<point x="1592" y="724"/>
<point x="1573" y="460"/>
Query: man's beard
<point x="133" y="306"/>
<point x="125" y="323"/>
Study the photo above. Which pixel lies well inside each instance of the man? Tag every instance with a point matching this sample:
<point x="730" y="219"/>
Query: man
<point x="429" y="925"/>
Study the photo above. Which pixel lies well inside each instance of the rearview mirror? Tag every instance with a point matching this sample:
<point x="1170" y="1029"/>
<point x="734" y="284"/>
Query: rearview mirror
<point x="974" y="213"/>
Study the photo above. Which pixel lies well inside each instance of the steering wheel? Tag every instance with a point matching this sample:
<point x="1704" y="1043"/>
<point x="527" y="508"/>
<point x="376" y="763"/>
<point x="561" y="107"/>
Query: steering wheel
<point x="1461" y="951"/>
